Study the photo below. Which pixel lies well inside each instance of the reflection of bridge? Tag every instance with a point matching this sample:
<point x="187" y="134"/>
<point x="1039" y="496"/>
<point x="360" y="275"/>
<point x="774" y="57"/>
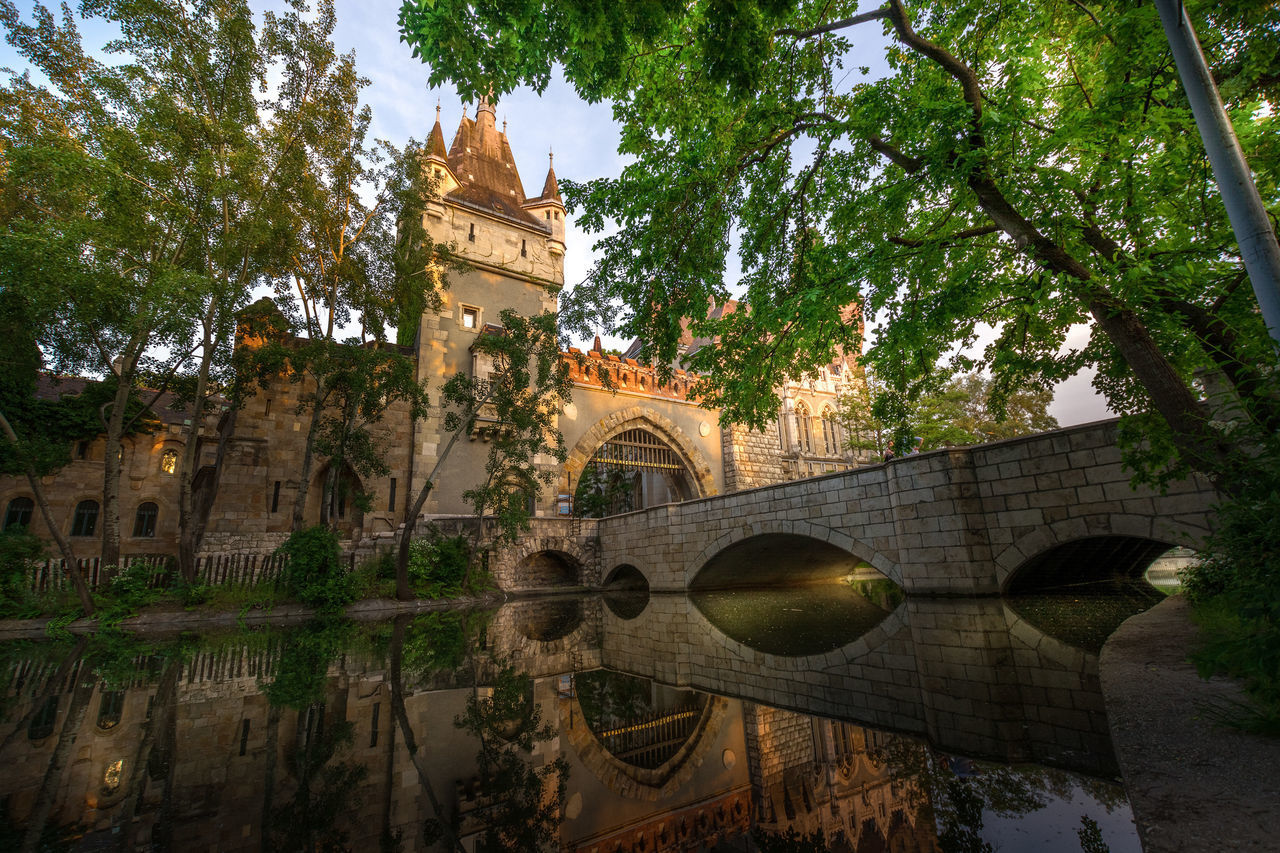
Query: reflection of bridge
<point x="961" y="521"/>
<point x="968" y="674"/>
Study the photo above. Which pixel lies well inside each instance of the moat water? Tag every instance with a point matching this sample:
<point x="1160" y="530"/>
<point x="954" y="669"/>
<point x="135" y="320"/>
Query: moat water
<point x="840" y="717"/>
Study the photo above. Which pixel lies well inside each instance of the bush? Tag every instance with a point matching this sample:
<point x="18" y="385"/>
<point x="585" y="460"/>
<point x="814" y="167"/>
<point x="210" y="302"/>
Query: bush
<point x="313" y="571"/>
<point x="18" y="551"/>
<point x="438" y="564"/>
<point x="1236" y="589"/>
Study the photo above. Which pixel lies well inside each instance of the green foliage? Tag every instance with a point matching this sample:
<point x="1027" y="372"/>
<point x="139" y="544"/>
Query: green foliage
<point x="305" y="655"/>
<point x="1236" y="589"/>
<point x="19" y="551"/>
<point x="1090" y="835"/>
<point x="527" y="801"/>
<point x="961" y="830"/>
<point x="435" y="642"/>
<point x="314" y="572"/>
<point x="327" y="790"/>
<point x="604" y="490"/>
<point x="1021" y="167"/>
<point x="438" y="564"/>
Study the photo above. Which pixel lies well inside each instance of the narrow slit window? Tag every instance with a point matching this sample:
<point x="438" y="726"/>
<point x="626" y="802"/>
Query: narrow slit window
<point x="391" y="499"/>
<point x="524" y="249"/>
<point x="471" y="235"/>
<point x="275" y="497"/>
<point x="373" y="727"/>
<point x="244" y="736"/>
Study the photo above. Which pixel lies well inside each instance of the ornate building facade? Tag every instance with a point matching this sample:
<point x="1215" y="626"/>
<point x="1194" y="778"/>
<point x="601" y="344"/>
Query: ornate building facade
<point x="653" y="434"/>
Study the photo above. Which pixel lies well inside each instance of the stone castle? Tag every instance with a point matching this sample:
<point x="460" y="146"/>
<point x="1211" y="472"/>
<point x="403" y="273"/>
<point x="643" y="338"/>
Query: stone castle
<point x="655" y="432"/>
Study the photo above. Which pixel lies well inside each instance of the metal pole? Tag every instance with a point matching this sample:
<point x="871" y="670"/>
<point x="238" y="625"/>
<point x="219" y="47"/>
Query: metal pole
<point x="1248" y="217"/>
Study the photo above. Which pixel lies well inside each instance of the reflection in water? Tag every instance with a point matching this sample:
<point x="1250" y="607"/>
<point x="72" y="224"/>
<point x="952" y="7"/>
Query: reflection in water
<point x="1086" y="614"/>
<point x="960" y="725"/>
<point x="798" y="621"/>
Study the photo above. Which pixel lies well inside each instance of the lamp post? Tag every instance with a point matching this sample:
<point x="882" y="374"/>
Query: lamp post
<point x="1249" y="221"/>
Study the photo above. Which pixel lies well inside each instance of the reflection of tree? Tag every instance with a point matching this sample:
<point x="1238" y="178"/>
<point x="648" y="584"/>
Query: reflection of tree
<point x="518" y="805"/>
<point x="958" y="802"/>
<point x="790" y="842"/>
<point x="325" y="787"/>
<point x="608" y="698"/>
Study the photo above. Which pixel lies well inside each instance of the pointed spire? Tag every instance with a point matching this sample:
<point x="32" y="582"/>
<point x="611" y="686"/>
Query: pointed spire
<point x="551" y="188"/>
<point x="595" y="347"/>
<point x="435" y="142"/>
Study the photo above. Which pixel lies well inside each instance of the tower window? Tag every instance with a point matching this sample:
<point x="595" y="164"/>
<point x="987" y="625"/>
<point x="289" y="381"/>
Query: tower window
<point x="557" y="214"/>
<point x="471" y="235"/>
<point x="524" y="249"/>
<point x="275" y="497"/>
<point x="391" y="500"/>
<point x="548" y="213"/>
<point x="169" y="461"/>
<point x="470" y="318"/>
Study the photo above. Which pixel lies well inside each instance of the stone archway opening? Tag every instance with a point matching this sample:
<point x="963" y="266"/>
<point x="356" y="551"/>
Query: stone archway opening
<point x="779" y="559"/>
<point x="634" y="469"/>
<point x="639" y="722"/>
<point x="550" y="620"/>
<point x="1089" y="560"/>
<point x="626" y="592"/>
<point x="548" y="569"/>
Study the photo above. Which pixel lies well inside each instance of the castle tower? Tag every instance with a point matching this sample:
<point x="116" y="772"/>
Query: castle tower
<point x="514" y="246"/>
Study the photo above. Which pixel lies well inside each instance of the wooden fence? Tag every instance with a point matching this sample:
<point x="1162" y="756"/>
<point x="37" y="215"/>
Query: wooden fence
<point x="215" y="570"/>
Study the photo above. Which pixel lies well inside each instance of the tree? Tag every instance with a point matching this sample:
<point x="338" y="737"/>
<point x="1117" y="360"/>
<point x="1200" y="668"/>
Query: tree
<point x="965" y="410"/>
<point x="516" y="406"/>
<point x="142" y="198"/>
<point x="1026" y="166"/>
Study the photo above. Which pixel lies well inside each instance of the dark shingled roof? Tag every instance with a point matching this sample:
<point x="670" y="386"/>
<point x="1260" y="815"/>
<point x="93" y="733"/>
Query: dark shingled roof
<point x="53" y="387"/>
<point x="481" y="159"/>
<point x="435" y="142"/>
<point x="551" y="188"/>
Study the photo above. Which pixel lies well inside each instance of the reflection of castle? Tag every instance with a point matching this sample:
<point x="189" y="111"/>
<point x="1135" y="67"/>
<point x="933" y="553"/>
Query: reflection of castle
<point x="654" y="434"/>
<point x="190" y="754"/>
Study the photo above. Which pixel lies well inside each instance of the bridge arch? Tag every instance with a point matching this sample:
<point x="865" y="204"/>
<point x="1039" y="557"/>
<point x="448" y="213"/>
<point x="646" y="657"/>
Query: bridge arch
<point x="783" y="529"/>
<point x="542" y="562"/>
<point x="1037" y="549"/>
<point x="639" y="417"/>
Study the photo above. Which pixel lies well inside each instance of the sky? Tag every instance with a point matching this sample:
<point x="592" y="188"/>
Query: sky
<point x="582" y="136"/>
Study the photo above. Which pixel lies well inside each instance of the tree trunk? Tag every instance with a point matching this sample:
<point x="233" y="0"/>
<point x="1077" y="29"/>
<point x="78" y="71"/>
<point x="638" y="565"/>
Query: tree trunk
<point x="304" y="474"/>
<point x="162" y="708"/>
<point x="112" y="464"/>
<point x="403" y="591"/>
<point x="69" y="560"/>
<point x="191" y="535"/>
<point x="52" y="782"/>
<point x="401" y="716"/>
<point x="191" y="457"/>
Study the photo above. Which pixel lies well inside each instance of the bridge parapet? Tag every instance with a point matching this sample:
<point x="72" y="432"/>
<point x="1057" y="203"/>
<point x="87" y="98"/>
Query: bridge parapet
<point x="954" y="521"/>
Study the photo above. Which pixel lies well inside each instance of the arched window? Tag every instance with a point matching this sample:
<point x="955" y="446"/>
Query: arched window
<point x="85" y="521"/>
<point x="144" y="523"/>
<point x="803" y="433"/>
<point x="830" y="441"/>
<point x="42" y="723"/>
<point x="110" y="708"/>
<point x="19" y="513"/>
<point x="169" y="460"/>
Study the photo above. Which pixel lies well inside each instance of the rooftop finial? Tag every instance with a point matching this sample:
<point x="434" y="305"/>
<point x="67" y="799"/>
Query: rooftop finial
<point x="437" y="109"/>
<point x="504" y="124"/>
<point x="551" y="156"/>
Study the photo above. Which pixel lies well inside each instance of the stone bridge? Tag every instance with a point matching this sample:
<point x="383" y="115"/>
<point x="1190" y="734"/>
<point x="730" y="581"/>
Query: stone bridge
<point x="976" y="520"/>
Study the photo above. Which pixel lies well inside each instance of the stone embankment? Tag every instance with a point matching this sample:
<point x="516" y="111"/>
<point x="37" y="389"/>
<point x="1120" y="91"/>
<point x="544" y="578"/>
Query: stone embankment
<point x="1194" y="783"/>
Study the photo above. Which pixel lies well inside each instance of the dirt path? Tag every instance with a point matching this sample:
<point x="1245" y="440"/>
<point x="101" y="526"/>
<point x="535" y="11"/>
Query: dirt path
<point x="1194" y="784"/>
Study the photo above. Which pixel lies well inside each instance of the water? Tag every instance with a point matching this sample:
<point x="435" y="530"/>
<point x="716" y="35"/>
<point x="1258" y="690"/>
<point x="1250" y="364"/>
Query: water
<point x="849" y="720"/>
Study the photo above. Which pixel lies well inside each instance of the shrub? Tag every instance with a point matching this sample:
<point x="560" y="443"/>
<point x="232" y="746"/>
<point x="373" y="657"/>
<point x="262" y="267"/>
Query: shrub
<point x="18" y="550"/>
<point x="438" y="564"/>
<point x="313" y="571"/>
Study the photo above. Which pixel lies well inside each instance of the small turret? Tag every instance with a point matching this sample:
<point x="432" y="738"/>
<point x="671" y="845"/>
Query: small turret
<point x="549" y="206"/>
<point x="436" y="162"/>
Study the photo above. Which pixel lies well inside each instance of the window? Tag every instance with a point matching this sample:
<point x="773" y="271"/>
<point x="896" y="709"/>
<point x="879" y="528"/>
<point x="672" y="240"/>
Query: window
<point x="470" y="318"/>
<point x="803" y="434"/>
<point x="548" y="213"/>
<point x="169" y="461"/>
<point x="244" y="735"/>
<point x="524" y="249"/>
<point x="557" y="214"/>
<point x="373" y="727"/>
<point x="391" y="500"/>
<point x="41" y="725"/>
<point x="109" y="709"/>
<point x="275" y="497"/>
<point x="85" y="521"/>
<point x="471" y="235"/>
<point x="830" y="441"/>
<point x="82" y="450"/>
<point x="19" y="513"/>
<point x="144" y="523"/>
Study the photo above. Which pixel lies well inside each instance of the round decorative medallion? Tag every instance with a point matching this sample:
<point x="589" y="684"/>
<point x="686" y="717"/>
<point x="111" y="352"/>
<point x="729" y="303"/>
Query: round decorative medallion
<point x="704" y="429"/>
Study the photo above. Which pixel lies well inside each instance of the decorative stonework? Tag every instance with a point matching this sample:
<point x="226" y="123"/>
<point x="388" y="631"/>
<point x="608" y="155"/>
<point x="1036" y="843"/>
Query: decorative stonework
<point x="635" y="782"/>
<point x="639" y="417"/>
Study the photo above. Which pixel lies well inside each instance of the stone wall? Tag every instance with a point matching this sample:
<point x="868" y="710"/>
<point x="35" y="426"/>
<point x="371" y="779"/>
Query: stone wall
<point x="751" y="458"/>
